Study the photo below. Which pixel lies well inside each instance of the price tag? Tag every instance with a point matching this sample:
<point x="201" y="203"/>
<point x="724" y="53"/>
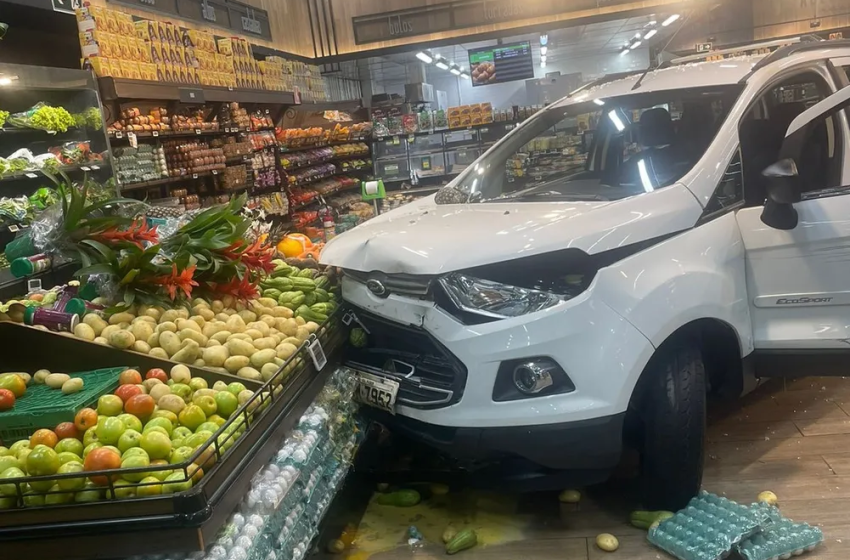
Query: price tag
<point x="134" y="142"/>
<point x="485" y="130"/>
<point x="84" y="168"/>
<point x="194" y="175"/>
<point x="396" y="141"/>
<point x="34" y="285"/>
<point x="155" y="133"/>
<point x="51" y="132"/>
<point x="119" y="135"/>
<point x="95" y="167"/>
<point x="411" y="138"/>
<point x="31" y="175"/>
<point x="317" y="353"/>
<point x="215" y="172"/>
<point x="198" y="131"/>
<point x="509" y="126"/>
<point x="426" y="163"/>
<point x="14" y="229"/>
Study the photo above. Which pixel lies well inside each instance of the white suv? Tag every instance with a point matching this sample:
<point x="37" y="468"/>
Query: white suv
<point x="645" y="243"/>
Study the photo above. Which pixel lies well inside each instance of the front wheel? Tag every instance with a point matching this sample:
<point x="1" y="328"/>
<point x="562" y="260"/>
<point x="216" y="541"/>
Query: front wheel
<point x="673" y="413"/>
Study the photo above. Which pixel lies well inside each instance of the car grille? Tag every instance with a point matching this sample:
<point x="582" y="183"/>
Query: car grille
<point x="429" y="376"/>
<point x="403" y="284"/>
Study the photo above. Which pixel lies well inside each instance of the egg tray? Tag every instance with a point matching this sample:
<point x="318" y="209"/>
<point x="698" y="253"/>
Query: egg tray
<point x="708" y="528"/>
<point x="781" y="540"/>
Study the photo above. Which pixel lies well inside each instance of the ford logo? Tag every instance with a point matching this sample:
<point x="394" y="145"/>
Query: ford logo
<point x="377" y="287"/>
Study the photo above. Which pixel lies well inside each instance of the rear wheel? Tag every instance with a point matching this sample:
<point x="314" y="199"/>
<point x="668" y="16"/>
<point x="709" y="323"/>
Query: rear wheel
<point x="673" y="412"/>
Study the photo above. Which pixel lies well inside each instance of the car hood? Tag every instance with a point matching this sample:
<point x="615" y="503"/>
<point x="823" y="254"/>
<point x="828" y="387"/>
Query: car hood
<point x="427" y="238"/>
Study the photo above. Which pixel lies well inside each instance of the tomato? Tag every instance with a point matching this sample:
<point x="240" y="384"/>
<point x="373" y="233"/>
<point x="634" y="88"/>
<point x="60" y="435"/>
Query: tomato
<point x="44" y="437"/>
<point x="157" y="373"/>
<point x="140" y="406"/>
<point x="102" y="459"/>
<point x="85" y="419"/>
<point x="126" y="392"/>
<point x="7" y="399"/>
<point x="157" y="444"/>
<point x="109" y="431"/>
<point x="129" y="377"/>
<point x="110" y="405"/>
<point x="72" y="445"/>
<point x="66" y="430"/>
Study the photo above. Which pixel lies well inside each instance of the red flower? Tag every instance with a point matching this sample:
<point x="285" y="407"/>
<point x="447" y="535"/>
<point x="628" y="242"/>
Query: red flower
<point x="255" y="256"/>
<point x="240" y="289"/>
<point x="182" y="280"/>
<point x="136" y="233"/>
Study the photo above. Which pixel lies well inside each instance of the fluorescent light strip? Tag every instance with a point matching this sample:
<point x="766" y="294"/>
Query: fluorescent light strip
<point x="650" y="34"/>
<point x="644" y="176"/>
<point x="455" y="71"/>
<point x="618" y="123"/>
<point x="544" y="49"/>
<point x="670" y="20"/>
<point x="635" y="45"/>
<point x="599" y="102"/>
<point x="464" y="75"/>
<point x="425" y="57"/>
<point x="441" y="64"/>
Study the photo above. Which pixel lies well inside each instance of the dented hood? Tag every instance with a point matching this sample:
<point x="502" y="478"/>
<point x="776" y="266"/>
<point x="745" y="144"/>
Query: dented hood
<point x="428" y="238"/>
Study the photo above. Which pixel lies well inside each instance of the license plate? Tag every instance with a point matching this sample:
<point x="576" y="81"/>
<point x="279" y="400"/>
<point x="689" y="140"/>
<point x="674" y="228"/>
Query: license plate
<point x="377" y="391"/>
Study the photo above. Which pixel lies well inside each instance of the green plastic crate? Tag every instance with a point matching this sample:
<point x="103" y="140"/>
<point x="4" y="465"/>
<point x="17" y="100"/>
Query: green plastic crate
<point x="43" y="407"/>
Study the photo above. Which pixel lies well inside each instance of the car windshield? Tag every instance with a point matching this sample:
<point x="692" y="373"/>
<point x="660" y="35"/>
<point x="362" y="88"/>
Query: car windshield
<point x="604" y="149"/>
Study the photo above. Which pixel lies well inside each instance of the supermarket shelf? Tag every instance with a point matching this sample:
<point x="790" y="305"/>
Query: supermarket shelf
<point x="35" y="174"/>
<point x="149" y="134"/>
<point x="11" y="287"/>
<point x="417" y="190"/>
<point x="290" y="149"/>
<point x="238" y="159"/>
<point x="167" y="180"/>
<point x="16" y="132"/>
<point x="508" y="126"/>
<point x="112" y="89"/>
<point x="344" y="157"/>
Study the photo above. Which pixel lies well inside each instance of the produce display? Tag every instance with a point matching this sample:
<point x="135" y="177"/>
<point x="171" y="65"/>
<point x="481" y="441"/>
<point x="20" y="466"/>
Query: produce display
<point x="42" y="116"/>
<point x="295" y="160"/>
<point x="144" y="163"/>
<point x="67" y="154"/>
<point x="187" y="158"/>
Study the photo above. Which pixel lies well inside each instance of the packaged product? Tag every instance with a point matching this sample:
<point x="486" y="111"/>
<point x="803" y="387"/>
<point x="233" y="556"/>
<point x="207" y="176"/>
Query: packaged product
<point x="125" y="24"/>
<point x="117" y="69"/>
<point x="99" y="64"/>
<point x="130" y="70"/>
<point x="410" y="123"/>
<point x="124" y="47"/>
<point x="160" y="31"/>
<point x="146" y="29"/>
<point x="135" y="51"/>
<point x="111" y="21"/>
<point x="144" y="50"/>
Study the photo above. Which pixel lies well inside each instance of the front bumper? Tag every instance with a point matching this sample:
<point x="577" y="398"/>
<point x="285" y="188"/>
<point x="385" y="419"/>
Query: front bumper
<point x="587" y="445"/>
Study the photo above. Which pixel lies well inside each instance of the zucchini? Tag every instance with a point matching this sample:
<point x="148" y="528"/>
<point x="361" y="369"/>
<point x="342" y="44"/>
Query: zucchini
<point x="400" y="498"/>
<point x="465" y="538"/>
<point x="645" y="519"/>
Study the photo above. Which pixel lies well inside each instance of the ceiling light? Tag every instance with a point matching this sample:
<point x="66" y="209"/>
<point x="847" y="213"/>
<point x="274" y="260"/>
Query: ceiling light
<point x="543" y="64"/>
<point x="599" y="102"/>
<point x="670" y="20"/>
<point x="455" y="70"/>
<point x="464" y="75"/>
<point x="618" y="123"/>
<point x="543" y="58"/>
<point x="425" y="57"/>
<point x="635" y="45"/>
<point x="637" y="35"/>
<point x="544" y="49"/>
<point x="651" y="23"/>
<point x="544" y="39"/>
<point x="650" y="34"/>
<point x="624" y="51"/>
<point x="644" y="176"/>
<point x="5" y="81"/>
<point x="441" y="63"/>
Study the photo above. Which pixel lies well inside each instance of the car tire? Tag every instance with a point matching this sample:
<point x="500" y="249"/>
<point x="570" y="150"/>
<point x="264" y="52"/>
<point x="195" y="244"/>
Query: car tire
<point x="673" y="413"/>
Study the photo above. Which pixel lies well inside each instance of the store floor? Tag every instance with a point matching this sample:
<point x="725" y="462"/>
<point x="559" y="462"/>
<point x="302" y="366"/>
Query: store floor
<point x="789" y="437"/>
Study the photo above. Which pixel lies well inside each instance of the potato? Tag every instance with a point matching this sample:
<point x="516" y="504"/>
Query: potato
<point x="283" y="312"/>
<point x="199" y="363"/>
<point x="247" y="316"/>
<point x="228" y="301"/>
<point x="221" y="336"/>
<point x="254" y="333"/>
<point x="123" y="326"/>
<point x="238" y="347"/>
<point x="74" y="385"/>
<point x="95" y="322"/>
<point x="264" y="343"/>
<point x="141" y="330"/>
<point x="300" y="321"/>
<point x="235" y="363"/>
<point x="101" y="340"/>
<point x="261" y="358"/>
<point x="249" y="373"/>
<point x="259" y="326"/>
<point x="144" y="319"/>
<point x="240" y="336"/>
<point x="293" y="341"/>
<point x="223" y="317"/>
<point x="180" y="374"/>
<point x="172" y="403"/>
<point x="153" y="340"/>
<point x="607" y="542"/>
<point x="278" y="338"/>
<point x="205" y="313"/>
<point x="182" y="313"/>
<point x="194" y="335"/>
<point x="117" y="318"/>
<point x="159" y="353"/>
<point x="158" y="391"/>
<point x="122" y="339"/>
<point x="239" y="306"/>
<point x="169" y="316"/>
<point x="84" y="331"/>
<point x="56" y="380"/>
<point x="106" y="332"/>
<point x="268" y="320"/>
<point x="302" y="334"/>
<point x="166" y="326"/>
<point x="213" y="342"/>
<point x="216" y="306"/>
<point x="141" y="346"/>
<point x="268" y="370"/>
<point x="212" y="327"/>
<point x="216" y="355"/>
<point x="267" y="302"/>
<point x="169" y="342"/>
<point x="285" y="350"/>
<point x="235" y="324"/>
<point x="288" y="327"/>
<point x="311" y="326"/>
<point x="187" y="324"/>
<point x="188" y="353"/>
<point x="154" y="313"/>
<point x="39" y="376"/>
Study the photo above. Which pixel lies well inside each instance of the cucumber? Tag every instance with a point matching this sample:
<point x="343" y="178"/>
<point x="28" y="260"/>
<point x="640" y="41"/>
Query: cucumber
<point x="465" y="538"/>
<point x="400" y="498"/>
<point x="645" y="519"/>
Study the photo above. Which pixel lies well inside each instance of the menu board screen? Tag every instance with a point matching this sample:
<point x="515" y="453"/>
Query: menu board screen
<point x="501" y="63"/>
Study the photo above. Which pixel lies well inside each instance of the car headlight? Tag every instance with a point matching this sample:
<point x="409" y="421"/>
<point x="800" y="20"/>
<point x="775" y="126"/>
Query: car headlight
<point x="493" y="299"/>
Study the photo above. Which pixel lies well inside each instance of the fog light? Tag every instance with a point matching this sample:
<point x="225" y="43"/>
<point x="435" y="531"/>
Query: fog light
<point x="532" y="377"/>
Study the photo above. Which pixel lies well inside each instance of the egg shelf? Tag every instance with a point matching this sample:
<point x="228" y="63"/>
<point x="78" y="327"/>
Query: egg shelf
<point x="184" y="522"/>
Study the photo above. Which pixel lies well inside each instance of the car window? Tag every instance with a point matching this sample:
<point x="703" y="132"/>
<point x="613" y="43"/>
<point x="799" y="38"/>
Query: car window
<point x="604" y="149"/>
<point x="730" y="191"/>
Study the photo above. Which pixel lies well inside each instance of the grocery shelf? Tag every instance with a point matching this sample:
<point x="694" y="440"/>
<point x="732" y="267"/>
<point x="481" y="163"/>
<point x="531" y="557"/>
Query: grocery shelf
<point x="341" y="157"/>
<point x="508" y="126"/>
<point x="290" y="149"/>
<point x="113" y="89"/>
<point x="418" y="190"/>
<point x="11" y="287"/>
<point x="167" y="180"/>
<point x="37" y="173"/>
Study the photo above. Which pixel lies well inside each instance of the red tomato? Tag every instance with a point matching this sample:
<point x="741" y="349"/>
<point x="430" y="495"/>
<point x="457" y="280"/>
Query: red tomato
<point x="67" y="430"/>
<point x="44" y="437"/>
<point x="141" y="406"/>
<point x="7" y="399"/>
<point x="85" y="419"/>
<point x="129" y="377"/>
<point x="124" y="392"/>
<point x="157" y="373"/>
<point x="102" y="459"/>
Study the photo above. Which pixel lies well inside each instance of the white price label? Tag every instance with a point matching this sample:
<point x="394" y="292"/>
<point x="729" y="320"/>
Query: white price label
<point x="34" y="285"/>
<point x="317" y="353"/>
<point x="32" y="175"/>
<point x="155" y="133"/>
<point x="194" y="175"/>
<point x="134" y="142"/>
<point x="13" y="228"/>
<point x="215" y="172"/>
<point x="51" y="132"/>
<point x="95" y="167"/>
<point x="198" y="131"/>
<point x="119" y="135"/>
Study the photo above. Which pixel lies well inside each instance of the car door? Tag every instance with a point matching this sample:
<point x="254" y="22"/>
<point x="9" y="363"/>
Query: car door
<point x="798" y="278"/>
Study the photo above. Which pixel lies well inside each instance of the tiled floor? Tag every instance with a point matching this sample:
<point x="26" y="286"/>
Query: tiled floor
<point x="790" y="437"/>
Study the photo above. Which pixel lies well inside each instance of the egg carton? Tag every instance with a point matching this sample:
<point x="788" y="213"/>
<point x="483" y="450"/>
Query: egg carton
<point x="708" y="528"/>
<point x="781" y="540"/>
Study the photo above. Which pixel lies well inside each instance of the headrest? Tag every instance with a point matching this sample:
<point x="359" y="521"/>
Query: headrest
<point x="655" y="128"/>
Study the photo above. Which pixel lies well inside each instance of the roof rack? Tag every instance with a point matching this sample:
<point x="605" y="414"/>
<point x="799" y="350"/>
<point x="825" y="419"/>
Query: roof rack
<point x="808" y="43"/>
<point x="735" y="50"/>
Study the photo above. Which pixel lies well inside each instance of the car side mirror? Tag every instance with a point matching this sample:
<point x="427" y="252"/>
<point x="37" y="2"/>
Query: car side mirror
<point x="782" y="181"/>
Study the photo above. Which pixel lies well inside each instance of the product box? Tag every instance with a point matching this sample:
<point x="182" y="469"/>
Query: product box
<point x="96" y="43"/>
<point x="99" y="64"/>
<point x="117" y="71"/>
<point x="183" y="77"/>
<point x="168" y="76"/>
<point x="160" y="72"/>
<point x="146" y="29"/>
<point x="125" y="24"/>
<point x="160" y="31"/>
<point x="135" y="51"/>
<point x="130" y="70"/>
<point x="123" y="47"/>
<point x="156" y="52"/>
<point x="144" y="50"/>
